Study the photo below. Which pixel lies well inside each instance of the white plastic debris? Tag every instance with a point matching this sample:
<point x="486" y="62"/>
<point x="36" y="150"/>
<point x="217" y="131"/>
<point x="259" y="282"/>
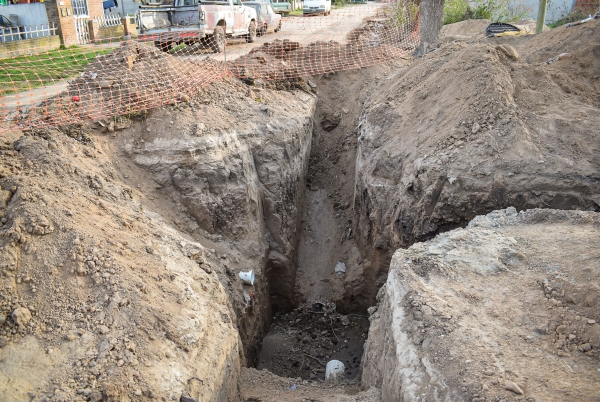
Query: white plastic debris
<point x="334" y="370"/>
<point x="340" y="267"/>
<point x="247" y="277"/>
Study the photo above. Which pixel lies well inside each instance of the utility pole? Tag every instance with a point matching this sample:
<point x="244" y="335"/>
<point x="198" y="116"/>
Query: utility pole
<point x="541" y="16"/>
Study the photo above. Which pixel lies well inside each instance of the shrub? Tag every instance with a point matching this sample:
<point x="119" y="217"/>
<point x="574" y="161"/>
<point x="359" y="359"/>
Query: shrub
<point x="494" y="10"/>
<point x="455" y="11"/>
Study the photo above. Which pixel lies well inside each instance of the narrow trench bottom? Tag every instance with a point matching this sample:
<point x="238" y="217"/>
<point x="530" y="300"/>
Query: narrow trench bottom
<point x="301" y="342"/>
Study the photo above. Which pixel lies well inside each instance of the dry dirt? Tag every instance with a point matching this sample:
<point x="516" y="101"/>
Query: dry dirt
<point x="102" y="297"/>
<point x="263" y="386"/>
<point x="121" y="242"/>
<point x="474" y="127"/>
<point x="506" y="309"/>
<point x="120" y="267"/>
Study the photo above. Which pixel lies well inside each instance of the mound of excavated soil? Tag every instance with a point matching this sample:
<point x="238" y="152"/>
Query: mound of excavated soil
<point x="374" y="43"/>
<point x="134" y="77"/>
<point x="468" y="29"/>
<point x="101" y="296"/>
<point x="120" y="253"/>
<point x="473" y="128"/>
<point x="506" y="309"/>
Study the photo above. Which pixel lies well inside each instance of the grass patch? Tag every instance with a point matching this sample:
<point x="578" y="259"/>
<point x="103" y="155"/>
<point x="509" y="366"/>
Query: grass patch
<point x="26" y="72"/>
<point x="296" y="12"/>
<point x="574" y="16"/>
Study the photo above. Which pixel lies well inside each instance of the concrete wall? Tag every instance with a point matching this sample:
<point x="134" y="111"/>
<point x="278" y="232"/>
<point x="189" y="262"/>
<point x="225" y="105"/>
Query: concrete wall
<point x="555" y="11"/>
<point x="29" y="14"/>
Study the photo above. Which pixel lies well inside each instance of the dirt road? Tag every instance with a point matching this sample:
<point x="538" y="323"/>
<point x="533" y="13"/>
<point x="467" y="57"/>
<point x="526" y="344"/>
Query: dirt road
<point x="302" y="29"/>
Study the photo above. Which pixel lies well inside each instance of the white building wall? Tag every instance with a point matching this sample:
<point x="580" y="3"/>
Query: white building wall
<point x="29" y="14"/>
<point x="555" y="11"/>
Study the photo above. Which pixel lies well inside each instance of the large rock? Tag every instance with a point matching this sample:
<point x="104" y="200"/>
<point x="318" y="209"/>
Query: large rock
<point x="508" y="304"/>
<point x="21" y="316"/>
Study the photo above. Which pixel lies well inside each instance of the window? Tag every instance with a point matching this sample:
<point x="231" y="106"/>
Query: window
<point x="80" y="7"/>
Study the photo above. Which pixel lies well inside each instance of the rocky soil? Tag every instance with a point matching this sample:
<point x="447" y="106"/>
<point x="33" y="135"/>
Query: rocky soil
<point x="300" y="343"/>
<point x="506" y="309"/>
<point x="123" y="240"/>
<point x="102" y="297"/>
<point x="474" y="127"/>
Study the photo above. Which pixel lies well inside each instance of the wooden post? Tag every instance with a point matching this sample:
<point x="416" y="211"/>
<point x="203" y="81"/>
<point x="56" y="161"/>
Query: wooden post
<point x="541" y="16"/>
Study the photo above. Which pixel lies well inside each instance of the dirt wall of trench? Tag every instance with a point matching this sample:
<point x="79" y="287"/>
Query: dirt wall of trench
<point x="236" y="164"/>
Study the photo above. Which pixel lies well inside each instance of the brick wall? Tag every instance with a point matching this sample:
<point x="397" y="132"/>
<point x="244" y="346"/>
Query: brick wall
<point x="588" y="6"/>
<point x="95" y="8"/>
<point x="61" y="13"/>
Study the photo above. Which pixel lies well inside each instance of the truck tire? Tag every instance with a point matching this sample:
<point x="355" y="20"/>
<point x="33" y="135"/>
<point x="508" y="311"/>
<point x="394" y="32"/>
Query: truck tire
<point x="217" y="40"/>
<point x="263" y="30"/>
<point x="278" y="27"/>
<point x="251" y="32"/>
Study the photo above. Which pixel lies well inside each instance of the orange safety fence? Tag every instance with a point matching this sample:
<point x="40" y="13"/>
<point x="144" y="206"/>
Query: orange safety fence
<point x="117" y="76"/>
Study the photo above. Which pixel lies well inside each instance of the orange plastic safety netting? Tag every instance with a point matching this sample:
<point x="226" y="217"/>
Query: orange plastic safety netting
<point x="115" y="76"/>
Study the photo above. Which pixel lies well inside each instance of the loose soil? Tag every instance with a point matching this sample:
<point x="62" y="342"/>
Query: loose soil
<point x="121" y="242"/>
<point x="506" y="309"/>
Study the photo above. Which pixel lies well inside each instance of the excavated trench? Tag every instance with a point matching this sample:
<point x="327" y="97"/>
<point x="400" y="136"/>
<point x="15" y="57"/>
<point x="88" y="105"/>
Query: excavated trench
<point x="334" y="282"/>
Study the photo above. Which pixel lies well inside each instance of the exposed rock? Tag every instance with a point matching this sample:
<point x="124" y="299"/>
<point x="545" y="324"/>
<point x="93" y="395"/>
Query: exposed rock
<point x="509" y="52"/>
<point x="477" y="297"/>
<point x="21" y="316"/>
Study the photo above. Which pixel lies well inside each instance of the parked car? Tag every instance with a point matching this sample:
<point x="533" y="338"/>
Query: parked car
<point x="268" y="21"/>
<point x="282" y="7"/>
<point x="316" y="7"/>
<point x="192" y="21"/>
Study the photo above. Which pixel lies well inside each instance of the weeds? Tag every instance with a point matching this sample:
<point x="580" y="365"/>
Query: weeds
<point x="494" y="10"/>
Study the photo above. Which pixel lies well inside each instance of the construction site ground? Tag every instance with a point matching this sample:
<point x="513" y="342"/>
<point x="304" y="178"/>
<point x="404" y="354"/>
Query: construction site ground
<point x="431" y="222"/>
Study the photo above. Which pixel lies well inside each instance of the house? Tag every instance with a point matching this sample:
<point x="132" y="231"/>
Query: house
<point x="71" y="17"/>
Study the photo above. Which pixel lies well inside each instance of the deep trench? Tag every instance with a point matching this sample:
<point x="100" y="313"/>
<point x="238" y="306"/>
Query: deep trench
<point x="326" y="318"/>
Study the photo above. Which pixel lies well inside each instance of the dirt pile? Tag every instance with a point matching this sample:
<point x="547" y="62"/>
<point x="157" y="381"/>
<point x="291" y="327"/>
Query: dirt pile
<point x="473" y="128"/>
<point x="374" y="43"/>
<point x="506" y="309"/>
<point x="101" y="296"/>
<point x="134" y="77"/>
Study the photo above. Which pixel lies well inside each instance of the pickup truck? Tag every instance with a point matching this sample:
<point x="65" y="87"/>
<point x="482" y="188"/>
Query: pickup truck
<point x="194" y="21"/>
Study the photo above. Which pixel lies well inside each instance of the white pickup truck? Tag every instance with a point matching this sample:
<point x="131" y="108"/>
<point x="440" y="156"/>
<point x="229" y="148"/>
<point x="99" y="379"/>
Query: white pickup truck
<point x="194" y="21"/>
